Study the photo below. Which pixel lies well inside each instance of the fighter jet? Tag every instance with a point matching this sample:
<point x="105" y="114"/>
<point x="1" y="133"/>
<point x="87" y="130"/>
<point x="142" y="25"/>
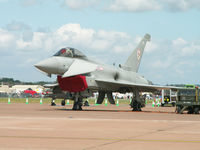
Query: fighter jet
<point x="82" y="76"/>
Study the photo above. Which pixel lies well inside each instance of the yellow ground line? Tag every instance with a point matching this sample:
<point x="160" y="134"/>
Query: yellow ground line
<point x="174" y="141"/>
<point x="104" y="139"/>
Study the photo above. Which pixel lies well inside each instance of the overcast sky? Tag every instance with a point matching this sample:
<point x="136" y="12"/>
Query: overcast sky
<point x="106" y="30"/>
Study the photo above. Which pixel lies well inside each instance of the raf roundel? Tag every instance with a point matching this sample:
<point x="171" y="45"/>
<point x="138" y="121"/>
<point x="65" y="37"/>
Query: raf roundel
<point x="138" y="54"/>
<point x="99" y="68"/>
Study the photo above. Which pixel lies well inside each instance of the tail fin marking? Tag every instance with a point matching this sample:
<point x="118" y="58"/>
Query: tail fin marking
<point x="133" y="61"/>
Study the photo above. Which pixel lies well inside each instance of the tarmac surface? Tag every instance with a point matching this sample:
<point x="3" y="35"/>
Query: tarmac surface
<point x="42" y="127"/>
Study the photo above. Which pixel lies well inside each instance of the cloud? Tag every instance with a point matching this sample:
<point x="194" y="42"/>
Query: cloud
<point x="29" y="2"/>
<point x="17" y="26"/>
<point x="153" y="5"/>
<point x="79" y="4"/>
<point x="92" y="40"/>
<point x="171" y="53"/>
<point x="190" y="50"/>
<point x="36" y="44"/>
<point x="67" y="35"/>
<point x="179" y="42"/>
<point x="7" y="39"/>
<point x="180" y="5"/>
<point x="20" y="27"/>
<point x="185" y="48"/>
<point x="134" y="5"/>
<point x="75" y="35"/>
<point x="172" y="61"/>
<point x="28" y="35"/>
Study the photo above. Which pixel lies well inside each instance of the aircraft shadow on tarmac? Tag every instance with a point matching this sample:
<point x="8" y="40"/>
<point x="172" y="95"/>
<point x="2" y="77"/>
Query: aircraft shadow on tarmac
<point x="105" y="110"/>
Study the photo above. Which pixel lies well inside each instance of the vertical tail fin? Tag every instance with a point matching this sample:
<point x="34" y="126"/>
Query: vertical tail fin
<point x="133" y="61"/>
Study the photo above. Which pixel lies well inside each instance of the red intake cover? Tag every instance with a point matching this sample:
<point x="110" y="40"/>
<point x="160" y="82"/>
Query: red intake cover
<point x="72" y="84"/>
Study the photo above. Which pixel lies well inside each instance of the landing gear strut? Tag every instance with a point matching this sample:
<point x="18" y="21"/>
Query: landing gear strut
<point x="78" y="102"/>
<point x="53" y="101"/>
<point x="136" y="102"/>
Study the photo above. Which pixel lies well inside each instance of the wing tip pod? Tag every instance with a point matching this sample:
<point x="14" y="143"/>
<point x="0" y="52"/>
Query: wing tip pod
<point x="147" y="37"/>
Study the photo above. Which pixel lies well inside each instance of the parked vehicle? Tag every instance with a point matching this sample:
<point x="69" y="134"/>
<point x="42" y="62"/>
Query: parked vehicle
<point x="188" y="100"/>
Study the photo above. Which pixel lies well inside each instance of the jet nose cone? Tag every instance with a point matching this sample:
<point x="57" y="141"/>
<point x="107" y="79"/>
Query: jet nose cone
<point x="49" y="66"/>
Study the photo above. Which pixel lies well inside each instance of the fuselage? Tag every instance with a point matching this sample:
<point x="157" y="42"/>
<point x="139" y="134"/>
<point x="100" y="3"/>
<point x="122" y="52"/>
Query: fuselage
<point x="59" y="65"/>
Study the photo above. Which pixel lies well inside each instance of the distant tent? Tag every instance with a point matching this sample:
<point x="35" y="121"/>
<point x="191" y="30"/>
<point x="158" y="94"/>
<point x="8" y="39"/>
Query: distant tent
<point x="30" y="91"/>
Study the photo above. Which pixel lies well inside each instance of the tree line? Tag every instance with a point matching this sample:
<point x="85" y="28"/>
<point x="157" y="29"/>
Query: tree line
<point x="11" y="81"/>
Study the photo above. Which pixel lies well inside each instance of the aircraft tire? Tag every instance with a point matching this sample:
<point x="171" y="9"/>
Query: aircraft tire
<point x="179" y="109"/>
<point x="63" y="103"/>
<point x="136" y="106"/>
<point x="86" y="103"/>
<point x="191" y="110"/>
<point x="77" y="106"/>
<point x="136" y="109"/>
<point x="80" y="108"/>
<point x="196" y="110"/>
<point x="53" y="104"/>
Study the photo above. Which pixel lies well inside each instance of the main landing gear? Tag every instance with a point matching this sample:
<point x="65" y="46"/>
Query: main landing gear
<point x="136" y="102"/>
<point x="78" y="102"/>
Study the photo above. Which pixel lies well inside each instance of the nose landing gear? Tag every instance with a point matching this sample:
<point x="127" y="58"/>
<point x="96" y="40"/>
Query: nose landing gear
<point x="53" y="101"/>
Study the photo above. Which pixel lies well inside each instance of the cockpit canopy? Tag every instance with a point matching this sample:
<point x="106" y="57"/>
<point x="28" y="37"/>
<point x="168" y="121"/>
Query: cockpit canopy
<point x="69" y="52"/>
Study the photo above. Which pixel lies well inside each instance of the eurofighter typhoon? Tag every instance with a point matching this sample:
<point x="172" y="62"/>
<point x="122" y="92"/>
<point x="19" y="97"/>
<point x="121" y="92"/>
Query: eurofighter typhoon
<point x="81" y="76"/>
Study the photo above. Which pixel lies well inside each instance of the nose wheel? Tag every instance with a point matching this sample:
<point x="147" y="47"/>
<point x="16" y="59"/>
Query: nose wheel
<point x="53" y="102"/>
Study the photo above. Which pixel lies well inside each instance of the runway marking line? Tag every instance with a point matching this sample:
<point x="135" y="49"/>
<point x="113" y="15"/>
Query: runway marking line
<point x="104" y="139"/>
<point x="27" y="128"/>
